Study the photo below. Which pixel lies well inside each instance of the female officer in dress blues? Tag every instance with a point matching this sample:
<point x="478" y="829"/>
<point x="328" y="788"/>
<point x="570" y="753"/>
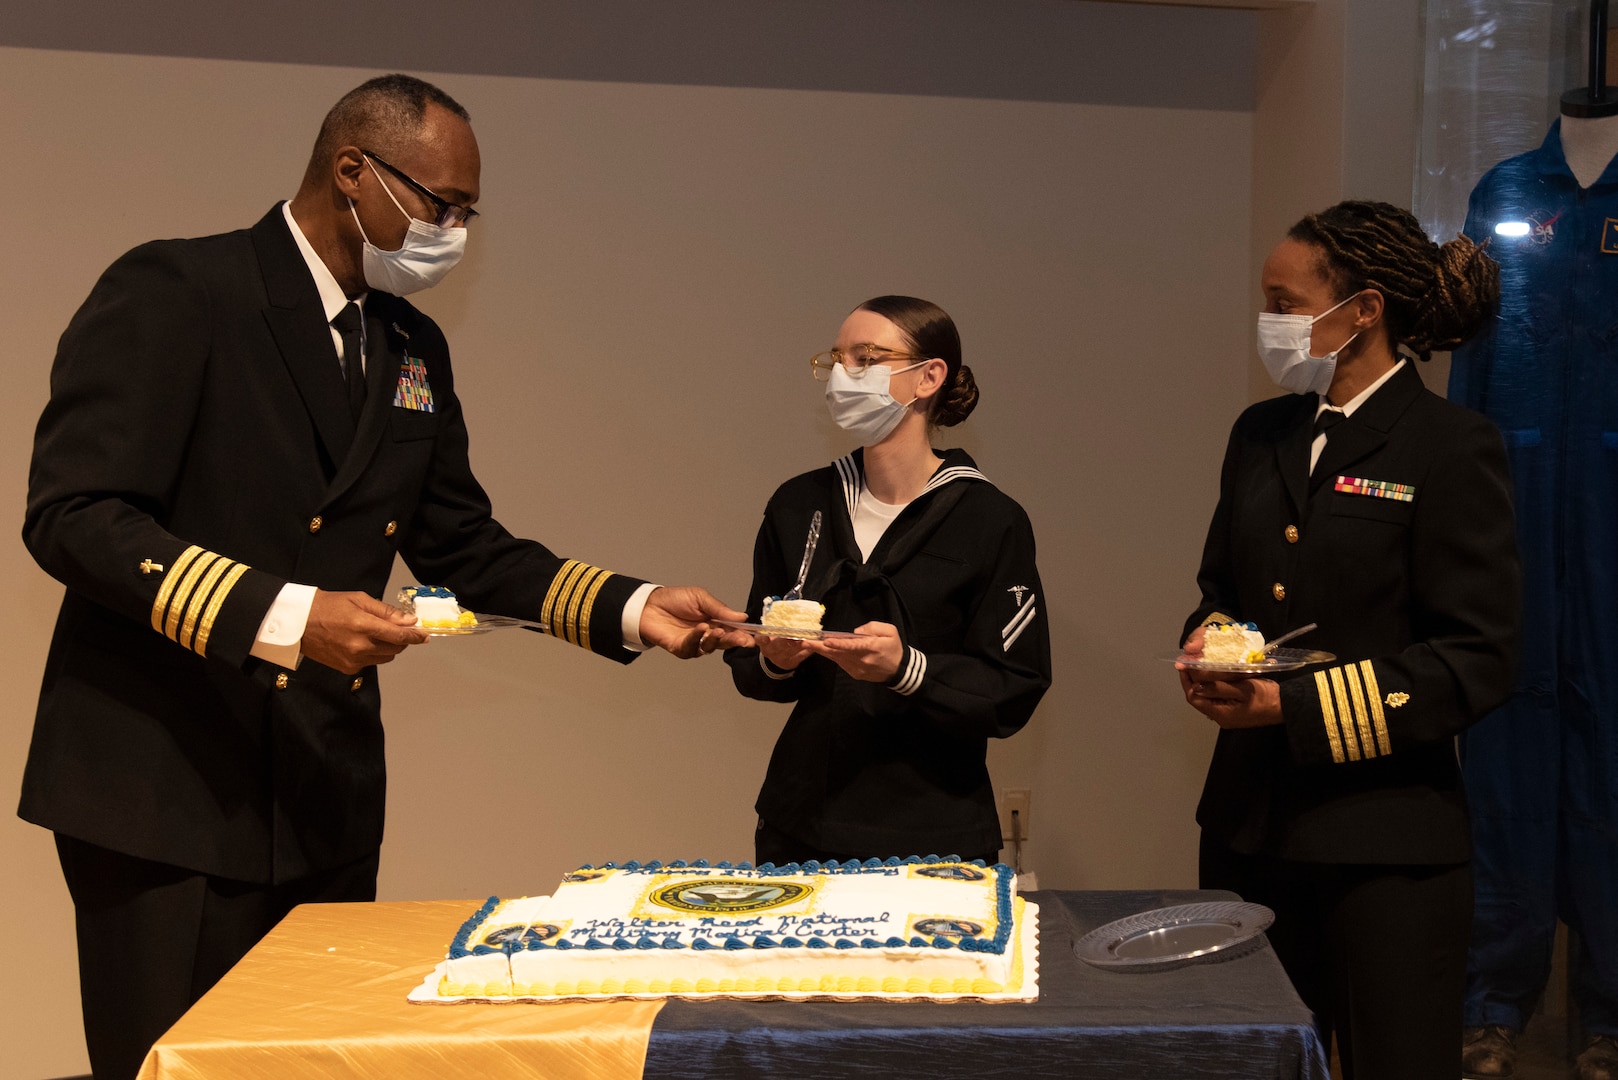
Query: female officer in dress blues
<point x="932" y="567"/>
<point x="1382" y="512"/>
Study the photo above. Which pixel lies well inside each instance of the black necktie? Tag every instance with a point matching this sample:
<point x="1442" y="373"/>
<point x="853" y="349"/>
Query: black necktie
<point x="1329" y="419"/>
<point x="347" y="323"/>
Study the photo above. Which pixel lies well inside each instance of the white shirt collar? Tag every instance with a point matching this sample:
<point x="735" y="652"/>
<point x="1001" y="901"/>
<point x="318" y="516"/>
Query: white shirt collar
<point x="332" y="298"/>
<point x="1360" y="398"/>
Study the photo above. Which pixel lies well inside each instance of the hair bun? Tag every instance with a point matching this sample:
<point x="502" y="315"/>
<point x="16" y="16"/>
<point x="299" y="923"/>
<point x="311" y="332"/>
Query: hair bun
<point x="957" y="400"/>
<point x="1464" y="293"/>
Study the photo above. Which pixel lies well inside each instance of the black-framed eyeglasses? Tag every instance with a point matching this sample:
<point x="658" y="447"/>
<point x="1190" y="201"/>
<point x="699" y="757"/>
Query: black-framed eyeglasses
<point x="449" y="214"/>
<point x="855" y="360"/>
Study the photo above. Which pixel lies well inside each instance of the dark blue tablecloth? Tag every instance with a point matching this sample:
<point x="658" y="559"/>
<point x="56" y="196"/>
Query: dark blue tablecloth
<point x="1239" y="1018"/>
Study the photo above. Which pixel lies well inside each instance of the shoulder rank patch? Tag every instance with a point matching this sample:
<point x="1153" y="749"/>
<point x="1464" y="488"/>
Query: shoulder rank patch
<point x="413" y="392"/>
<point x="1377" y="489"/>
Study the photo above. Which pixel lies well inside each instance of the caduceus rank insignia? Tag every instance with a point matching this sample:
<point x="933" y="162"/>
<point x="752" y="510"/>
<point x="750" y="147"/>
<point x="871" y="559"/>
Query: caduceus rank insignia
<point x="413" y="391"/>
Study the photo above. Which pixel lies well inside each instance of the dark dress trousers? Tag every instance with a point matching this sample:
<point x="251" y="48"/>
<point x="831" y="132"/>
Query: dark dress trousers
<point x="1400" y="544"/>
<point x="197" y="454"/>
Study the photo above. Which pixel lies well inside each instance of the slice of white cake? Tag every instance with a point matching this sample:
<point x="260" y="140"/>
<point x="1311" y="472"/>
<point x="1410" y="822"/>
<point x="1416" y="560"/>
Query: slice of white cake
<point x="792" y="614"/>
<point x="436" y="608"/>
<point x="1233" y="643"/>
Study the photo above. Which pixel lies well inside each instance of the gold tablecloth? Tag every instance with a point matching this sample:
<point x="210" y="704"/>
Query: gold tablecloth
<point x="324" y="996"/>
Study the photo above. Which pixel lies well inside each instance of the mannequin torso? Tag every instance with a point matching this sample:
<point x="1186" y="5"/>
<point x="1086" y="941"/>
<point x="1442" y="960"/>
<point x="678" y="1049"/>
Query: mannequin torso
<point x="1589" y="144"/>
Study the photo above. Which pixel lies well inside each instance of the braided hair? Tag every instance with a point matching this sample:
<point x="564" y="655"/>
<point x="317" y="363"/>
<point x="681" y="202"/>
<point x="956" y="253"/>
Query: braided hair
<point x="931" y="333"/>
<point x="1434" y="297"/>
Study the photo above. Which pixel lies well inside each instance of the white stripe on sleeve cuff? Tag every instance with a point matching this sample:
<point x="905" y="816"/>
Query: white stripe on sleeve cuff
<point x="911" y="672"/>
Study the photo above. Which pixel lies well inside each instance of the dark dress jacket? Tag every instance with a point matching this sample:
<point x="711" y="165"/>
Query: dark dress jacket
<point x="899" y="769"/>
<point x="1400" y="545"/>
<point x="196" y="454"/>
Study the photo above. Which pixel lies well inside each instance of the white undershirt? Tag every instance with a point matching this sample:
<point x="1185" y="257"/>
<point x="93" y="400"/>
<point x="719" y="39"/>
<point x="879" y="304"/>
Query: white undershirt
<point x="1347" y="410"/>
<point x="280" y="634"/>
<point x="871" y="520"/>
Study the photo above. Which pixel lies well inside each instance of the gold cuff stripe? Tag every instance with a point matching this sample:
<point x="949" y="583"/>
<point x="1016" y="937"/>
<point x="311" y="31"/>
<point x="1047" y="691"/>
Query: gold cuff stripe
<point x="199" y="599"/>
<point x="575" y="603"/>
<point x="558" y="585"/>
<point x="1374" y="693"/>
<point x="1362" y="715"/>
<point x="218" y="601"/>
<point x="589" y="606"/>
<point x="1345" y="714"/>
<point x="570" y="599"/>
<point x="1323" y="688"/>
<point x="182" y="594"/>
<point x="1217" y="617"/>
<point x="170" y="580"/>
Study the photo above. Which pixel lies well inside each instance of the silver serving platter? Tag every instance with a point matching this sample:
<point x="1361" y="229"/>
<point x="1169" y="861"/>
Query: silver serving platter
<point x="1174" y="936"/>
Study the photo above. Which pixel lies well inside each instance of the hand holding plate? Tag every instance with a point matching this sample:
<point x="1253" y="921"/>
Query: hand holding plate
<point x="872" y="654"/>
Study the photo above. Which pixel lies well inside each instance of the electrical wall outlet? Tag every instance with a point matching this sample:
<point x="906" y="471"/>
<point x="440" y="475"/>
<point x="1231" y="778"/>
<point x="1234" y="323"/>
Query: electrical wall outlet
<point x="1019" y="800"/>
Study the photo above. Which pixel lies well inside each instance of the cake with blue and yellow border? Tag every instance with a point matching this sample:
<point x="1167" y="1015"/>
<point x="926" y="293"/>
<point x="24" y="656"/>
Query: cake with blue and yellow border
<point x="931" y="928"/>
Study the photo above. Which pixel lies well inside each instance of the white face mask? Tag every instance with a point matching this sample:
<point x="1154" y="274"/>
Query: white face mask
<point x="1283" y="345"/>
<point x="428" y="253"/>
<point x="863" y="407"/>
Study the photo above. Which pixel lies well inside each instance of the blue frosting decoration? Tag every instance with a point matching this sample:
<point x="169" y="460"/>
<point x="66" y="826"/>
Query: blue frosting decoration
<point x="1004" y="875"/>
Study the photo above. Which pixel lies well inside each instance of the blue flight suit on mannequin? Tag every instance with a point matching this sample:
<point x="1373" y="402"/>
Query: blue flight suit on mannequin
<point x="1542" y="770"/>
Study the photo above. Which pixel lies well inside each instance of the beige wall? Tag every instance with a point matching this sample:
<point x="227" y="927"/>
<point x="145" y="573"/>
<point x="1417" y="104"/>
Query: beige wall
<point x="655" y="264"/>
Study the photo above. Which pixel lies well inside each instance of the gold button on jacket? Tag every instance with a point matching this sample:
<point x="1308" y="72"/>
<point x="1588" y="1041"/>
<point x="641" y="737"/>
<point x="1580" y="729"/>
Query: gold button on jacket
<point x="315" y="523"/>
<point x="392" y="527"/>
<point x="359" y="681"/>
<point x="1279" y="590"/>
<point x="1292" y="534"/>
<point x="281" y="681"/>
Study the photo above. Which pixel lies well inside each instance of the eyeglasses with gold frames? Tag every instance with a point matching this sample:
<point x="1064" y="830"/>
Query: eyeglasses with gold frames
<point x="855" y="360"/>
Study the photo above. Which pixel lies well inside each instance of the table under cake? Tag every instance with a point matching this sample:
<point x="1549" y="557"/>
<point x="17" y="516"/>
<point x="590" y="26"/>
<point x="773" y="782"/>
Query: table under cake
<point x="324" y="995"/>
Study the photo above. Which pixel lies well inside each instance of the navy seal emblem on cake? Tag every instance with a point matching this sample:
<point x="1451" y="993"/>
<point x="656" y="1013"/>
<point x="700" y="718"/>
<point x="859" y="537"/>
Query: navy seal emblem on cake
<point x="948" y="927"/>
<point x="523" y="935"/>
<point x="952" y="872"/>
<point x="728" y="895"/>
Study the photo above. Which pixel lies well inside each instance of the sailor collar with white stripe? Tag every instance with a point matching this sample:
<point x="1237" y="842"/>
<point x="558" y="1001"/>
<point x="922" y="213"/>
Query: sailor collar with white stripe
<point x="851" y="472"/>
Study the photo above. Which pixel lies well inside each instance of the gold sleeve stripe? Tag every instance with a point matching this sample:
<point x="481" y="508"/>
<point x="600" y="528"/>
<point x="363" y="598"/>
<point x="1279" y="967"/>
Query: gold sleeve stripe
<point x="559" y="587"/>
<point x="182" y="594"/>
<point x="1362" y="716"/>
<point x="589" y="606"/>
<point x="206" y="627"/>
<point x="1217" y="617"/>
<point x="1345" y="713"/>
<point x="170" y="580"/>
<point x="1374" y="693"/>
<point x="578" y="615"/>
<point x="199" y="599"/>
<point x="569" y="600"/>
<point x="1323" y="688"/>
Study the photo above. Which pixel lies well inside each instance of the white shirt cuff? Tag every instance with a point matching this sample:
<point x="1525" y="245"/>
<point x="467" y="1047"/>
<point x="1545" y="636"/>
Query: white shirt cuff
<point x="280" y="634"/>
<point x="630" y="626"/>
